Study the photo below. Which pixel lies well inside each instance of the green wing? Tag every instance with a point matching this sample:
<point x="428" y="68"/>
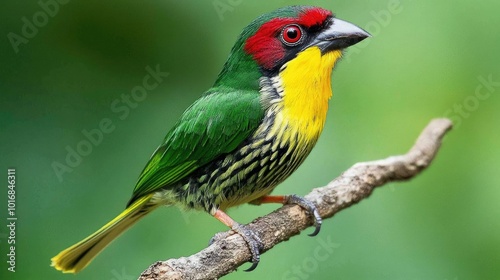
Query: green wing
<point x="215" y="124"/>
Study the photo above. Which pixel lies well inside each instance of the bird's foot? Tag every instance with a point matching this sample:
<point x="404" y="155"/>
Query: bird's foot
<point x="251" y="238"/>
<point x="253" y="241"/>
<point x="310" y="207"/>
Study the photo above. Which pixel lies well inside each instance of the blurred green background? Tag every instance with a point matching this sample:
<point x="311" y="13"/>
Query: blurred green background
<point x="426" y="59"/>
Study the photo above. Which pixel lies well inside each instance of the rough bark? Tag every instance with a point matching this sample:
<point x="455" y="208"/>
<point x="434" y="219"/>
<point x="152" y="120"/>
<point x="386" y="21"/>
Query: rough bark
<point x="355" y="184"/>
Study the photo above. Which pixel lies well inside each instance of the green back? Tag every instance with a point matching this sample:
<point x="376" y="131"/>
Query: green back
<point x="214" y="125"/>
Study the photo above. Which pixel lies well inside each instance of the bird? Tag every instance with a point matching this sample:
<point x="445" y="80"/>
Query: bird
<point x="246" y="134"/>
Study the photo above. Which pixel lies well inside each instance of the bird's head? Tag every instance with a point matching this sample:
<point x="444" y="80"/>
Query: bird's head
<point x="276" y="38"/>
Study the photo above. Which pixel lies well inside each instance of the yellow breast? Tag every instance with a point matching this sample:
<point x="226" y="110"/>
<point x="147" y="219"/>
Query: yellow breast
<point x="306" y="83"/>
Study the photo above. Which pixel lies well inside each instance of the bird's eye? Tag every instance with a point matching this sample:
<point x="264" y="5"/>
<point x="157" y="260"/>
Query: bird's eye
<point x="291" y="35"/>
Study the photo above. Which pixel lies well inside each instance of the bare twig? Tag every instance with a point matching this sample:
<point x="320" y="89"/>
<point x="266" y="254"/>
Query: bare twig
<point x="355" y="184"/>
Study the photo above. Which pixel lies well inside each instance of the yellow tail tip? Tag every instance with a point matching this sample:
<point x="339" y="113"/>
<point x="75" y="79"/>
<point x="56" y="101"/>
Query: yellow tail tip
<point x="78" y="256"/>
<point x="55" y="262"/>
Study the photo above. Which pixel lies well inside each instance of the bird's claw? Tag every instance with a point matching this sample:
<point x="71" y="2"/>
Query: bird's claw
<point x="310" y="207"/>
<point x="251" y="238"/>
<point x="218" y="236"/>
<point x="253" y="241"/>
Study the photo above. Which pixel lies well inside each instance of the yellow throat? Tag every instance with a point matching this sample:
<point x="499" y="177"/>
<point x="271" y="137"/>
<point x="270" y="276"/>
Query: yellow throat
<point x="306" y="83"/>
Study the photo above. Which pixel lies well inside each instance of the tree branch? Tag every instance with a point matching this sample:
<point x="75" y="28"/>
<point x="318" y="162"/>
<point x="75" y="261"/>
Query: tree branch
<point x="355" y="184"/>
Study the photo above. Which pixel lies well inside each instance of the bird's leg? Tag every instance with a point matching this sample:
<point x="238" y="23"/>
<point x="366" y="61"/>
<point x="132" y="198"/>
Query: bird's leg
<point x="294" y="199"/>
<point x="251" y="238"/>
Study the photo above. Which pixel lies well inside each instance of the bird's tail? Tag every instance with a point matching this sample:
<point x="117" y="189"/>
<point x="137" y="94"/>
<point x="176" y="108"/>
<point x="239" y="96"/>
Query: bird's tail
<point x="78" y="256"/>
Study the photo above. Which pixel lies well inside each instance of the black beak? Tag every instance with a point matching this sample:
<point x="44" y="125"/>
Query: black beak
<point x="339" y="35"/>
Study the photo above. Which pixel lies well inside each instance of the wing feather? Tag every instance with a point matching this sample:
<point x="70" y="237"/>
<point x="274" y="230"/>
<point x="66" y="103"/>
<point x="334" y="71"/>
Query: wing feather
<point x="214" y="125"/>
